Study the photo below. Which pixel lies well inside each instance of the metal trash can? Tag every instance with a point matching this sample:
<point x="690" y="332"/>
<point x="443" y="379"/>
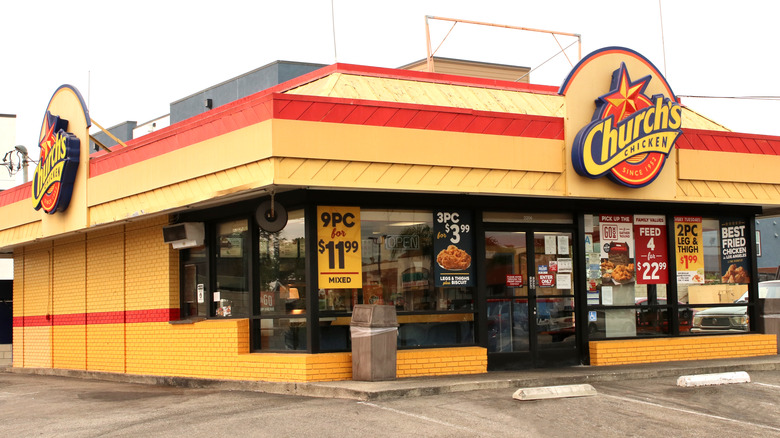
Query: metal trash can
<point x="769" y="316"/>
<point x="374" y="333"/>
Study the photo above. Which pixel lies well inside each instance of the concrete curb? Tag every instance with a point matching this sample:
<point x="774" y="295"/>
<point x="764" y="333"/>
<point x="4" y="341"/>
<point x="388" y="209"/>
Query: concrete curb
<point x="713" y="379"/>
<point x="548" y="392"/>
<point x="425" y="386"/>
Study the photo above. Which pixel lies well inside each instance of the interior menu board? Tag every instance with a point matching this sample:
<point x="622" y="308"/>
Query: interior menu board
<point x="339" y="261"/>
<point x="652" y="263"/>
<point x="453" y="245"/>
<point x="689" y="249"/>
<point x="734" y="251"/>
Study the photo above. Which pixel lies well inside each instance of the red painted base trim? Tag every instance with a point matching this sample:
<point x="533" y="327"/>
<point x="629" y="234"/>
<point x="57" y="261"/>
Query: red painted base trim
<point x="119" y="317"/>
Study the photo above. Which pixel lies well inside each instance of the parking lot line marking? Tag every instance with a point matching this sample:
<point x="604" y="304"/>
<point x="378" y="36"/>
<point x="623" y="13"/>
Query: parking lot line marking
<point x="419" y="417"/>
<point x="688" y="411"/>
<point x="767" y="384"/>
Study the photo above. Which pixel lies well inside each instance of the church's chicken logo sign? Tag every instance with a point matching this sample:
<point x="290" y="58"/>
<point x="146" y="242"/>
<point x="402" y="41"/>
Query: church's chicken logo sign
<point x="52" y="184"/>
<point x="630" y="136"/>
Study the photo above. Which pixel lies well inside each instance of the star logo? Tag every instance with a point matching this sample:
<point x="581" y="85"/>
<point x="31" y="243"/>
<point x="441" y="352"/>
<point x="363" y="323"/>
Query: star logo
<point x="626" y="97"/>
<point x="51" y="126"/>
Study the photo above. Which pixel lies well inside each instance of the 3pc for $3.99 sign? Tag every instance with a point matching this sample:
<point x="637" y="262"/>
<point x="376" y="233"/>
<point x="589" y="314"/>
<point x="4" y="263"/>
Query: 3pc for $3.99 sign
<point x="652" y="261"/>
<point x="339" y="261"/>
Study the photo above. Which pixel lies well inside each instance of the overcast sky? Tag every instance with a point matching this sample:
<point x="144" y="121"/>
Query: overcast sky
<point x="130" y="60"/>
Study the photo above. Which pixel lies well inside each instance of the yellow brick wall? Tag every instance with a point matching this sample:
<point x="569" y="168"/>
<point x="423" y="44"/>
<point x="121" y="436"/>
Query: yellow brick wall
<point x="220" y="349"/>
<point x="683" y="348"/>
<point x="37" y="351"/>
<point x="18" y="283"/>
<point x="106" y="348"/>
<point x="442" y="361"/>
<point x="68" y="298"/>
<point x="105" y="264"/>
<point x="36" y="301"/>
<point x="36" y="298"/>
<point x="18" y="309"/>
<point x="106" y="293"/>
<point x="151" y="267"/>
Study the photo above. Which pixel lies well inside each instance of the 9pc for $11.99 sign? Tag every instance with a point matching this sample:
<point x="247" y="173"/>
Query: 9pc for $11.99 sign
<point x="338" y="246"/>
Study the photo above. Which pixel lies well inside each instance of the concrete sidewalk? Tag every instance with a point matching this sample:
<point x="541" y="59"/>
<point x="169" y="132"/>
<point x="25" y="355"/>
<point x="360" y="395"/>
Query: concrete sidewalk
<point x="422" y="386"/>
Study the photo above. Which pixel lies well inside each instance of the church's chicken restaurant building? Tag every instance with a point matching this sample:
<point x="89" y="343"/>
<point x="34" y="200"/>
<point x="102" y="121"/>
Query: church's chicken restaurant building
<point x="510" y="225"/>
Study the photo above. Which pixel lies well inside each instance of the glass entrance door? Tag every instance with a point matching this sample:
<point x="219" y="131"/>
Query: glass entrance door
<point x="530" y="300"/>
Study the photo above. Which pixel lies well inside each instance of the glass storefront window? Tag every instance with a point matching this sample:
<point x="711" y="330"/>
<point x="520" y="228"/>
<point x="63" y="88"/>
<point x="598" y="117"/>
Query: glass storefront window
<point x="628" y="265"/>
<point x="627" y="293"/>
<point x="231" y="297"/>
<point x="282" y="268"/>
<point x="397" y="270"/>
<point x="281" y="272"/>
<point x="718" y="276"/>
<point x="195" y="282"/>
<point x="721" y="281"/>
<point x="281" y="334"/>
<point x="397" y="249"/>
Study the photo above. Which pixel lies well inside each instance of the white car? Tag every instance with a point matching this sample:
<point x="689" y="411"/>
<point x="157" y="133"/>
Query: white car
<point x="733" y="318"/>
<point x="766" y="289"/>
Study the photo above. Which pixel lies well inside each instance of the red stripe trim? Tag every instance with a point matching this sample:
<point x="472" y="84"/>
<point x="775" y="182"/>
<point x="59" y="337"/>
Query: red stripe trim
<point x="257" y="107"/>
<point x="721" y="141"/>
<point x="16" y="194"/>
<point x="253" y="110"/>
<point x="118" y="317"/>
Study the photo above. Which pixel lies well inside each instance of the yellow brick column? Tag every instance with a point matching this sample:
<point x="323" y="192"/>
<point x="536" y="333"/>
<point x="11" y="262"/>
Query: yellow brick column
<point x="69" y="303"/>
<point x="18" y="309"/>
<point x="37" y="305"/>
<point x="106" y="300"/>
<point x="151" y="293"/>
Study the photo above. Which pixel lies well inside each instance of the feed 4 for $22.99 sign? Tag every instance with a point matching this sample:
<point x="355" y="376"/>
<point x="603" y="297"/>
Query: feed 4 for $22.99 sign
<point x="652" y="262"/>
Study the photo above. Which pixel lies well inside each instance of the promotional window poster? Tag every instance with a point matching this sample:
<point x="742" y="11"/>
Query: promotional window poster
<point x="617" y="252"/>
<point x="734" y="251"/>
<point x="453" y="245"/>
<point x="652" y="264"/>
<point x="689" y="249"/>
<point x="339" y="260"/>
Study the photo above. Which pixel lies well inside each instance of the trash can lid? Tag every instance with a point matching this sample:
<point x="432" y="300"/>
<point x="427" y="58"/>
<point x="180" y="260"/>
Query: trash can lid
<point x="374" y="315"/>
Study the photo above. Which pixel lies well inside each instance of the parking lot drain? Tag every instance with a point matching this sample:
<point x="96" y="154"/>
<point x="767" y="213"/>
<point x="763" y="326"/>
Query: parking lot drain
<point x="713" y="379"/>
<point x="545" y="392"/>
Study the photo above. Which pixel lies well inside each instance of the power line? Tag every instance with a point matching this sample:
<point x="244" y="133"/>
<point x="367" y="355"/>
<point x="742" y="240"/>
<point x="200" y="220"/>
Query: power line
<point x="663" y="42"/>
<point x="732" y="97"/>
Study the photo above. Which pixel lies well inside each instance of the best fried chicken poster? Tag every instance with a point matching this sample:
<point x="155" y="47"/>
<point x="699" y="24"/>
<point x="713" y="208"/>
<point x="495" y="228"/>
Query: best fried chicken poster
<point x="453" y="247"/>
<point x="734" y="251"/>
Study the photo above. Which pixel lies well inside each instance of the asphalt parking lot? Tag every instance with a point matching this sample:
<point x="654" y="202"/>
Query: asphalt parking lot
<point x="35" y="405"/>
